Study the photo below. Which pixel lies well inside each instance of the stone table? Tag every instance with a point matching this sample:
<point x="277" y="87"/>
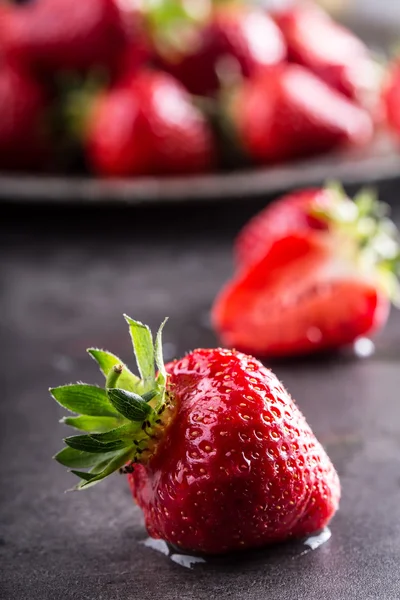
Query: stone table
<point x="66" y="278"/>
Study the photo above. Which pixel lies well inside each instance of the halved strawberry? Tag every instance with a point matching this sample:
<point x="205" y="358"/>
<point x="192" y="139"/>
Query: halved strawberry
<point x="292" y="213"/>
<point x="314" y="289"/>
<point x="391" y="97"/>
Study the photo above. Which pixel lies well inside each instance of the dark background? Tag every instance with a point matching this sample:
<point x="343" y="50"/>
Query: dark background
<point x="66" y="278"/>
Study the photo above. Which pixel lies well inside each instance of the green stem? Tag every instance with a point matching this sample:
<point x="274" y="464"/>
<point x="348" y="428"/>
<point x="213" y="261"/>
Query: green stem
<point x="113" y="376"/>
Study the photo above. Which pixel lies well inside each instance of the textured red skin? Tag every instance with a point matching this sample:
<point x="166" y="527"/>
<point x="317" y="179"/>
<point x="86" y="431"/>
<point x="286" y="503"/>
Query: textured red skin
<point x="391" y="98"/>
<point x="239" y="467"/>
<point x="50" y="35"/>
<point x="139" y="49"/>
<point x="291" y="113"/>
<point x="289" y="214"/>
<point x="247" y="36"/>
<point x="22" y="105"/>
<point x="328" y="49"/>
<point x="298" y="299"/>
<point x="148" y="126"/>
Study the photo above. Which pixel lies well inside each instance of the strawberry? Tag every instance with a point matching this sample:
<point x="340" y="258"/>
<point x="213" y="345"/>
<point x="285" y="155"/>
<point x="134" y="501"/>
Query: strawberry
<point x="235" y="41"/>
<point x="329" y="50"/>
<point x="218" y="456"/>
<point x="292" y="113"/>
<point x="292" y="213"/>
<point x="138" y="50"/>
<point x="22" y="109"/>
<point x="147" y="126"/>
<point x="309" y="287"/>
<point x="391" y="97"/>
<point x="51" y="35"/>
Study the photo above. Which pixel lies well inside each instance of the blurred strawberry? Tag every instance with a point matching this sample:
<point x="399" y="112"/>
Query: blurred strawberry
<point x="292" y="113"/>
<point x="50" y="35"/>
<point x="23" y="143"/>
<point x="302" y="297"/>
<point x="139" y="48"/>
<point x="236" y="41"/>
<point x="329" y="50"/>
<point x="147" y="126"/>
<point x="294" y="213"/>
<point x="313" y="288"/>
<point x="391" y="97"/>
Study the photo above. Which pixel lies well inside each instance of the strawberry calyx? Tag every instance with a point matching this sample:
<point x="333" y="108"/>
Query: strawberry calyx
<point x="365" y="230"/>
<point x="76" y="95"/>
<point x="174" y="25"/>
<point x="124" y="421"/>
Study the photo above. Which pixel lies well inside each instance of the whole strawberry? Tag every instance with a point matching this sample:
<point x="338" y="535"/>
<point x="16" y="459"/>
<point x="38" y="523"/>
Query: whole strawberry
<point x="147" y="126"/>
<point x="23" y="142"/>
<point x="291" y="113"/>
<point x="52" y="35"/>
<point x="330" y="50"/>
<point x="236" y="42"/>
<point x="218" y="455"/>
<point x="317" y="272"/>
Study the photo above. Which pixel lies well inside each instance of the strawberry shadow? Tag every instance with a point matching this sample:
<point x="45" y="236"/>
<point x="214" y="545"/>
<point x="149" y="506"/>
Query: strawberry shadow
<point x="269" y="555"/>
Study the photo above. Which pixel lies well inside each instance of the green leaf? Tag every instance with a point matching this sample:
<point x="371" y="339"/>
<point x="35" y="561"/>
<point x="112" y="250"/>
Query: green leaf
<point x="131" y="405"/>
<point x="149" y="395"/>
<point x="367" y="202"/>
<point x="89" y="444"/>
<point x="83" y="475"/>
<point x="78" y="459"/>
<point x="162" y="373"/>
<point x="159" y="351"/>
<point x="92" y="424"/>
<point x="337" y="187"/>
<point x="115" y="463"/>
<point x="84" y="399"/>
<point x="98" y="467"/>
<point x="174" y="24"/>
<point x="119" y="433"/>
<point x="144" y="351"/>
<point x="107" y="360"/>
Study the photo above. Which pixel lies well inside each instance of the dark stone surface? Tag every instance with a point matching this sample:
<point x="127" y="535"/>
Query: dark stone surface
<point x="66" y="279"/>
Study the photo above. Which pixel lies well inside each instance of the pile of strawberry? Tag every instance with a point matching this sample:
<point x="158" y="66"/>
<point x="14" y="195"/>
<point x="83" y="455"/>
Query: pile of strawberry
<point x="125" y="88"/>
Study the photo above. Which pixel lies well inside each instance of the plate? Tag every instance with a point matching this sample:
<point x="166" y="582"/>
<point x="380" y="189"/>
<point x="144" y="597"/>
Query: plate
<point x="379" y="162"/>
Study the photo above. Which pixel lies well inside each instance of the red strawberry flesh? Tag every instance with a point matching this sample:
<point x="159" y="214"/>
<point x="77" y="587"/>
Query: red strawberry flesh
<point x="299" y="298"/>
<point x="391" y="98"/>
<point x="292" y="213"/>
